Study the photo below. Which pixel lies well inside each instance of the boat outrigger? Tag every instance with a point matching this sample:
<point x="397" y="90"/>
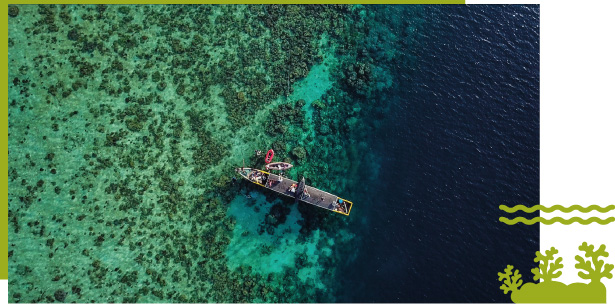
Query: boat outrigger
<point x="297" y="190"/>
<point x="278" y="166"/>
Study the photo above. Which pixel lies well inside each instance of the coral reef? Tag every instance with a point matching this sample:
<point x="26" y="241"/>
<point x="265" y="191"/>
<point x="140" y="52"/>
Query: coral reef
<point x="125" y="123"/>
<point x="13" y="11"/>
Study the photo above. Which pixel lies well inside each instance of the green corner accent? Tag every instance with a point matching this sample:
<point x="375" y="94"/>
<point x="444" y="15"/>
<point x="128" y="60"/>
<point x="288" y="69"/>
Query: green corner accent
<point x="557" y="219"/>
<point x="550" y="291"/>
<point x="557" y="208"/>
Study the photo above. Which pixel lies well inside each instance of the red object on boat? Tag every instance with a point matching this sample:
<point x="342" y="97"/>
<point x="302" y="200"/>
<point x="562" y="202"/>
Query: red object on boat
<point x="269" y="156"/>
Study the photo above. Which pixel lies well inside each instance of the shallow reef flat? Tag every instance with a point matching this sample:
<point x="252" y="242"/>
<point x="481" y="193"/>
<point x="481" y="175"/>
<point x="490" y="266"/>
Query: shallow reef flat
<point x="125" y="124"/>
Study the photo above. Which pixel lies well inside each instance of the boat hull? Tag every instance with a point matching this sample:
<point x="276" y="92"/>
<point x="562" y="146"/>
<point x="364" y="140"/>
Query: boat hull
<point x="282" y="185"/>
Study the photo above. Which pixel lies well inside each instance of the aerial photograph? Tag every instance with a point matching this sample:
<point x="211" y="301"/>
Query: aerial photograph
<point x="269" y="153"/>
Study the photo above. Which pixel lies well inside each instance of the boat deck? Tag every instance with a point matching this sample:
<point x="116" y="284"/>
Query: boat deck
<point x="316" y="196"/>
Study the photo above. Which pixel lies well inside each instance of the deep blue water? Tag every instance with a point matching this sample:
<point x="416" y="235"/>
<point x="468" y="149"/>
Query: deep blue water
<point x="462" y="138"/>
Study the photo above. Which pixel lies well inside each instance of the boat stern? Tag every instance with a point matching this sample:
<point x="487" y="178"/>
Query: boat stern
<point x="344" y="206"/>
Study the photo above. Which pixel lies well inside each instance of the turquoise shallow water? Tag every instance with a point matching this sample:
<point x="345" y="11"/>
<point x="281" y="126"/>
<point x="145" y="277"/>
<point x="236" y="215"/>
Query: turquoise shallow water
<point x="273" y="253"/>
<point x="125" y="124"/>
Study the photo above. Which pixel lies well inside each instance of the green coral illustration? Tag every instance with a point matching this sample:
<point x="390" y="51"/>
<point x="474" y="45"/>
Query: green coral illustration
<point x="549" y="291"/>
<point x="593" y="274"/>
<point x="546" y="270"/>
<point x="511" y="282"/>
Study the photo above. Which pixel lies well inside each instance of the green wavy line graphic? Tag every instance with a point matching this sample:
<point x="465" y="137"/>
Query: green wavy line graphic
<point x="557" y="208"/>
<point x="557" y="219"/>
